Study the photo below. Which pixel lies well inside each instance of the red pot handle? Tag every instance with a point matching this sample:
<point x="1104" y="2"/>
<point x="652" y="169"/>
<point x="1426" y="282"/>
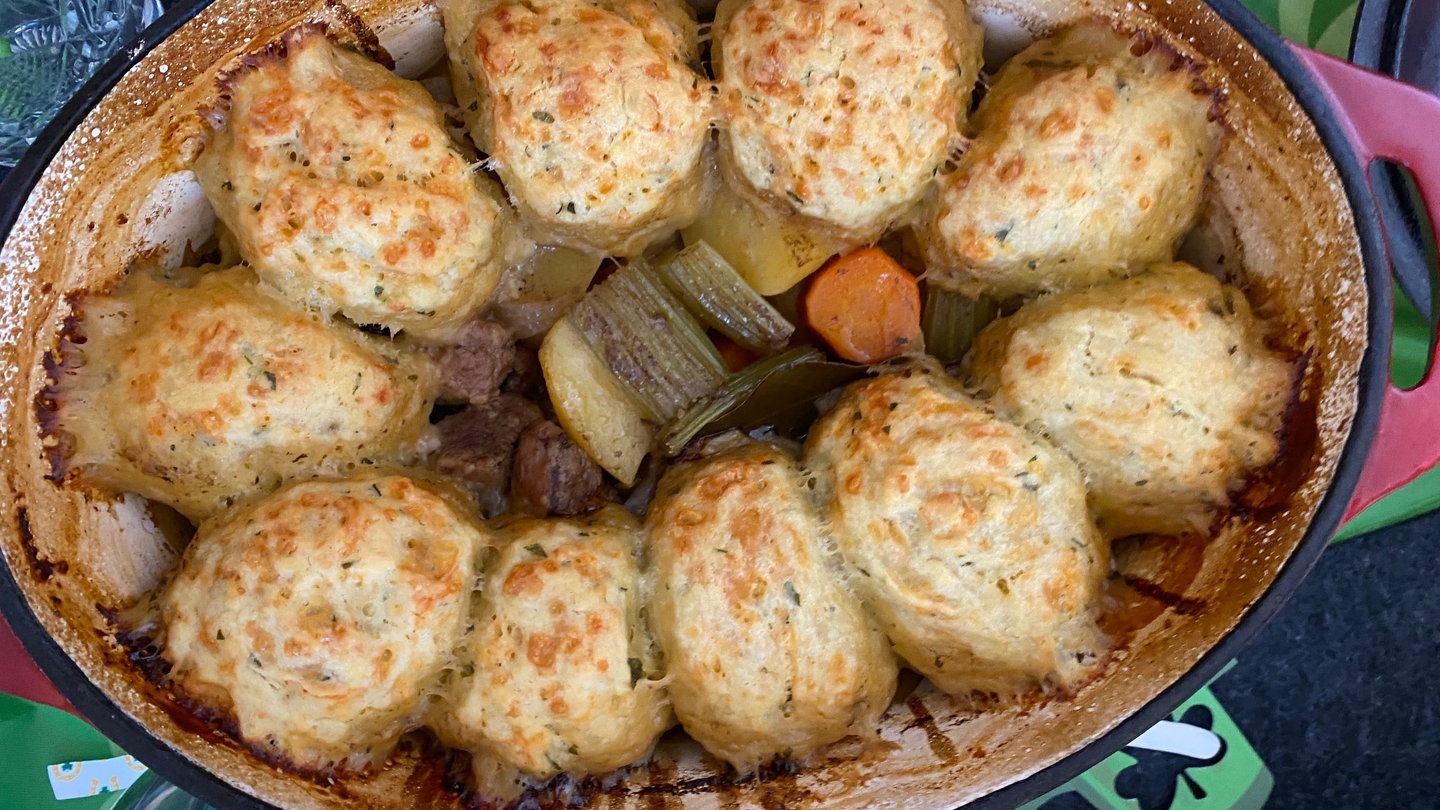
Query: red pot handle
<point x="21" y="677"/>
<point x="1391" y="120"/>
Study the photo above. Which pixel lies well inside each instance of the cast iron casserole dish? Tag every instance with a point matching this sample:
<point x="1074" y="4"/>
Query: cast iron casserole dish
<point x="107" y="181"/>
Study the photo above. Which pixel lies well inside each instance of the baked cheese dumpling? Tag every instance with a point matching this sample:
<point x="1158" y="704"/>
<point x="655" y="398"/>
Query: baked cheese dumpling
<point x="1160" y="385"/>
<point x="200" y="396"/>
<point x="559" y="674"/>
<point x="316" y="619"/>
<point x="345" y="192"/>
<point x="767" y="651"/>
<point x="840" y="110"/>
<point x="969" y="538"/>
<point x="590" y="112"/>
<point x="1087" y="162"/>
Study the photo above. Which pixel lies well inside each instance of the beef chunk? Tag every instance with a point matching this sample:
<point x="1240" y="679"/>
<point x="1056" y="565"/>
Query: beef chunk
<point x="477" y="445"/>
<point x="472" y="368"/>
<point x="526" y="377"/>
<point x="552" y="475"/>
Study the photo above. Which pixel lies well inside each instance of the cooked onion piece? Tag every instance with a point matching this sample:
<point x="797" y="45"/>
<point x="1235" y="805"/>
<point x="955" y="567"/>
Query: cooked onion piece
<point x="345" y="192"/>
<point x="969" y="539"/>
<point x="315" y="619"/>
<point x="767" y="652"/>
<point x="559" y="674"/>
<point x="590" y="113"/>
<point x="1088" y="161"/>
<point x="1160" y="385"/>
<point x="198" y="397"/>
<point x="840" y="110"/>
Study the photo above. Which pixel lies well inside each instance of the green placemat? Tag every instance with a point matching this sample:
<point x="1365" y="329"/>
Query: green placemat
<point x="35" y="738"/>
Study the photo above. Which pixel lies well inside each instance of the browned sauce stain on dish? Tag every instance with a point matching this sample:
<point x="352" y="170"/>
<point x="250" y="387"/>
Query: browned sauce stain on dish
<point x="940" y="745"/>
<point x="1152" y="574"/>
<point x="565" y="791"/>
<point x="661" y="789"/>
<point x="40" y="567"/>
<point x="615" y="801"/>
<point x="58" y="362"/>
<point x="427" y="786"/>
<point x="1183" y="605"/>
<point x="774" y="786"/>
<point x="111" y="617"/>
<point x="1268" y="492"/>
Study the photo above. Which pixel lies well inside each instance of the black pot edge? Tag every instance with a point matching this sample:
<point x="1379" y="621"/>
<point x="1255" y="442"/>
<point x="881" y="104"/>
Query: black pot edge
<point x="130" y="735"/>
<point x="1373" y="379"/>
<point x="124" y="730"/>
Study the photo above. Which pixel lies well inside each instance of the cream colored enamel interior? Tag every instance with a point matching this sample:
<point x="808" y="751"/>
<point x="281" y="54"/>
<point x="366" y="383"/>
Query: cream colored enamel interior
<point x="119" y="184"/>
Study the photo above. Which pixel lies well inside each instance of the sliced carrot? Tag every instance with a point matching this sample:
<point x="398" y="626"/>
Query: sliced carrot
<point x="865" y="306"/>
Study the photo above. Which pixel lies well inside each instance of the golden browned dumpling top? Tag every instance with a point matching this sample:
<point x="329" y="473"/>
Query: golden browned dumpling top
<point x="590" y="112"/>
<point x="346" y="193"/>
<point x="843" y="110"/>
<point x="969" y="538"/>
<point x="767" y="652"/>
<point x="200" y="396"/>
<point x="1088" y="161"/>
<point x="316" y="618"/>
<point x="1160" y="385"/>
<point x="559" y="674"/>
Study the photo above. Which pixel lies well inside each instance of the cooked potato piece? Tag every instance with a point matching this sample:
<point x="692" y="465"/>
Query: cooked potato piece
<point x="969" y="538"/>
<point x="559" y="674"/>
<point x="345" y="192"/>
<point x="1159" y="385"/>
<point x="315" y="619"/>
<point x="1088" y="162"/>
<point x="201" y="396"/>
<point x="841" y="110"/>
<point x="592" y="404"/>
<point x="771" y="252"/>
<point x="767" y="652"/>
<point x="590" y="112"/>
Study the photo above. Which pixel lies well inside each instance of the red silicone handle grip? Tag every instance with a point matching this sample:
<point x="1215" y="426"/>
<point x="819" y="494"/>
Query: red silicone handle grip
<point x="1388" y="119"/>
<point x="20" y="676"/>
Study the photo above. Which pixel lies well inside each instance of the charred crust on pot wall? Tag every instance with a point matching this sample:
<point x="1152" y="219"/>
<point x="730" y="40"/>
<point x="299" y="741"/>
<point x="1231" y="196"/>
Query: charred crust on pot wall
<point x="40" y="567"/>
<point x="1268" y="490"/>
<point x="60" y="363"/>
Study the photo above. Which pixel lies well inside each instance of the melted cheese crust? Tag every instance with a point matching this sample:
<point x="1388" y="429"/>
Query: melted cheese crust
<point x="969" y="538"/>
<point x="842" y="110"/>
<point x="1159" y="385"/>
<point x="346" y="193"/>
<point x="1088" y="163"/>
<point x="317" y="617"/>
<point x="590" y="112"/>
<point x="560" y="675"/>
<point x="202" y="396"/>
<point x="768" y="653"/>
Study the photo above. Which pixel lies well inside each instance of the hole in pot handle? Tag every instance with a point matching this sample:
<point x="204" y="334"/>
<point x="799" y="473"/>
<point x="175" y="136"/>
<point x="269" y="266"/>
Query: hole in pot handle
<point x="1407" y="442"/>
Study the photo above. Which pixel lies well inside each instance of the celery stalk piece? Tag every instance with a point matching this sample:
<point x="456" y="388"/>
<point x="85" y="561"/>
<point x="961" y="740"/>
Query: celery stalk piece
<point x="716" y="294"/>
<point x="951" y="321"/>
<point x="651" y="343"/>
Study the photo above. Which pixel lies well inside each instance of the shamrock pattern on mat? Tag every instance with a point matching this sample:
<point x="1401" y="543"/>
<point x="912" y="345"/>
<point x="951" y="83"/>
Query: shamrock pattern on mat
<point x="1156" y="775"/>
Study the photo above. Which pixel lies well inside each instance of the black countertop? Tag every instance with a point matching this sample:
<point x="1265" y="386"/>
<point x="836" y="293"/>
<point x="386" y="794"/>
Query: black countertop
<point x="1338" y="693"/>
